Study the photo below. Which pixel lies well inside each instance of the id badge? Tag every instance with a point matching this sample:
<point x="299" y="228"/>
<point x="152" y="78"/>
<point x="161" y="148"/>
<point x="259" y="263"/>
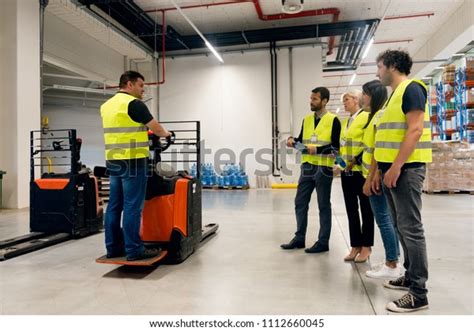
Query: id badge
<point x="314" y="139"/>
<point x="343" y="142"/>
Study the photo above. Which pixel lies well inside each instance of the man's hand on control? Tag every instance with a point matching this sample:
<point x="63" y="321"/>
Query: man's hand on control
<point x="290" y="142"/>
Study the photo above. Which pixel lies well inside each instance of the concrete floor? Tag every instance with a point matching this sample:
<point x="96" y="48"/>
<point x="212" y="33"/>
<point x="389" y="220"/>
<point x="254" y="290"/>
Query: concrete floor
<point x="241" y="270"/>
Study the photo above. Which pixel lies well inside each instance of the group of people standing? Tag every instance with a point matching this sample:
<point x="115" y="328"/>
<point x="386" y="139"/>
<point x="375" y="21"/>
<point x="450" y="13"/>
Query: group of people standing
<point x="385" y="144"/>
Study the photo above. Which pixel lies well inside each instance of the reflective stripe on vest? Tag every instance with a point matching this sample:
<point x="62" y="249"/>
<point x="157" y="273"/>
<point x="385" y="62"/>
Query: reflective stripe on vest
<point x="322" y="133"/>
<point x="123" y="130"/>
<point x="392" y="127"/>
<point x="369" y="143"/>
<point x="124" y="138"/>
<point x="351" y="138"/>
<point x="396" y="125"/>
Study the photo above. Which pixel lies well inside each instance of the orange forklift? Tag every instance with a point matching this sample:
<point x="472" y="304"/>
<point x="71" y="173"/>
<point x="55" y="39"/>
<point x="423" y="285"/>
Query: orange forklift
<point x="64" y="201"/>
<point x="172" y="214"/>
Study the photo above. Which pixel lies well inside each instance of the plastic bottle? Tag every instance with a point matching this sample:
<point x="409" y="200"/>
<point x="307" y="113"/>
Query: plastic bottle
<point x="339" y="160"/>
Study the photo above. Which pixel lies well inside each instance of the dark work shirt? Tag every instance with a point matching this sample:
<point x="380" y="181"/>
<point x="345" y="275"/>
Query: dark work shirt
<point x="414" y="98"/>
<point x="139" y="113"/>
<point x="335" y="134"/>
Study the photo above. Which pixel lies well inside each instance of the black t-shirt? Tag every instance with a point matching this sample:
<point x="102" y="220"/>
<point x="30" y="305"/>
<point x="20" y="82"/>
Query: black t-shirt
<point x="139" y="113"/>
<point x="335" y="134"/>
<point x="414" y="98"/>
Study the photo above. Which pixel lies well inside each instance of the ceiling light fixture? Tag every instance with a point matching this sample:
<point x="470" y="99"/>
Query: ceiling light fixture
<point x="353" y="78"/>
<point x="292" y="6"/>
<point x="208" y="44"/>
<point x="367" y="49"/>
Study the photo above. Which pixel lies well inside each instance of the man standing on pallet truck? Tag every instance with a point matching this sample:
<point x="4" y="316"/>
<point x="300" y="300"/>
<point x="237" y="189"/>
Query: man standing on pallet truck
<point x="320" y="134"/>
<point x="402" y="149"/>
<point x="125" y="119"/>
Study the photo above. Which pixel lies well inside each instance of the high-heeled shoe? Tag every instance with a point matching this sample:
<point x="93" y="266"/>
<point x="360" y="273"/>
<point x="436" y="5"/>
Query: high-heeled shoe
<point x="363" y="255"/>
<point x="352" y="255"/>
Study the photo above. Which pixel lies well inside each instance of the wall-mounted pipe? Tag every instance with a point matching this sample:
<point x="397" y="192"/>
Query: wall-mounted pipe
<point x="163" y="54"/>
<point x="398" y="17"/>
<point x="42" y="8"/>
<point x="393" y="41"/>
<point x="274" y="109"/>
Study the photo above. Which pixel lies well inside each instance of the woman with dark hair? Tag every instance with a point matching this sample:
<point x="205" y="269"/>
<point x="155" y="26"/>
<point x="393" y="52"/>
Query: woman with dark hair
<point x="374" y="97"/>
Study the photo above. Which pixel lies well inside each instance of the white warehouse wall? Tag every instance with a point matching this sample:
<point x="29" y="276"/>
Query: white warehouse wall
<point x="19" y="96"/>
<point x="233" y="100"/>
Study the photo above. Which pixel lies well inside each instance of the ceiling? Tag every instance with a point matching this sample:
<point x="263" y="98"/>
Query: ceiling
<point x="406" y="24"/>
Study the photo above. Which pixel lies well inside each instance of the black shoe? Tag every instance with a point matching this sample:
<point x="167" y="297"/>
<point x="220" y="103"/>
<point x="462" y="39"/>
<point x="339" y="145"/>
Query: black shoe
<point x="146" y="254"/>
<point x="400" y="283"/>
<point x="294" y="243"/>
<point x="407" y="303"/>
<point x="114" y="255"/>
<point x="317" y="248"/>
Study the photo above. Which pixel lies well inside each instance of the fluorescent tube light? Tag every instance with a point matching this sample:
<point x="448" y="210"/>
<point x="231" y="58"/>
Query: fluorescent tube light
<point x="367" y="49"/>
<point x="213" y="50"/>
<point x="353" y="78"/>
<point x="208" y="44"/>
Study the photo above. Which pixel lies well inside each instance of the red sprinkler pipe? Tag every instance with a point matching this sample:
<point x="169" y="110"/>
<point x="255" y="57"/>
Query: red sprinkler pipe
<point x="163" y="52"/>
<point x="317" y="12"/>
<point x="307" y="13"/>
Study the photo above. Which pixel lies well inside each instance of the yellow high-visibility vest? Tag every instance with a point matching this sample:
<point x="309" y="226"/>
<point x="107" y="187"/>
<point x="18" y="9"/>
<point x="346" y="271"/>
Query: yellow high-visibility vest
<point x="124" y="138"/>
<point x="351" y="138"/>
<point x="320" y="136"/>
<point x="369" y="144"/>
<point x="392" y="127"/>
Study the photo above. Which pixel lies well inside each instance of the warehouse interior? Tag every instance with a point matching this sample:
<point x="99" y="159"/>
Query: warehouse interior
<point x="62" y="59"/>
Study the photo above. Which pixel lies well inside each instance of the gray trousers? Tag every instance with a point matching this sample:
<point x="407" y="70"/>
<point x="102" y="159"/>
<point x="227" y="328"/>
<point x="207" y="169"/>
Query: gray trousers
<point x="320" y="178"/>
<point x="405" y="205"/>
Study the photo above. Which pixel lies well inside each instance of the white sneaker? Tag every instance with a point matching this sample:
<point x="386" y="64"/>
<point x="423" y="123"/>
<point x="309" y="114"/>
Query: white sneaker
<point x="384" y="273"/>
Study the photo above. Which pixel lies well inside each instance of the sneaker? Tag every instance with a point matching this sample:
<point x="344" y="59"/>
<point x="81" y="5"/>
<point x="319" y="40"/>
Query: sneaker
<point x="384" y="273"/>
<point x="407" y="303"/>
<point x="398" y="284"/>
<point x="146" y="254"/>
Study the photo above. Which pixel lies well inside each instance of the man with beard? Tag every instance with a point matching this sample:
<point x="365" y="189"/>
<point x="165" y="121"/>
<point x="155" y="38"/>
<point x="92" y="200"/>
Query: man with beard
<point x="320" y="134"/>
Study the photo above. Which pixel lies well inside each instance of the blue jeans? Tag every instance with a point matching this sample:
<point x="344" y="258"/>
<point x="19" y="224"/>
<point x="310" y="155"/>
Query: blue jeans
<point x="127" y="194"/>
<point x="386" y="226"/>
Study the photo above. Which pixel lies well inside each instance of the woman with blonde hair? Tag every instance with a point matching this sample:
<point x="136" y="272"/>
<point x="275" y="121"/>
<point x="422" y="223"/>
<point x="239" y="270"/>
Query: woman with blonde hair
<point x="352" y="132"/>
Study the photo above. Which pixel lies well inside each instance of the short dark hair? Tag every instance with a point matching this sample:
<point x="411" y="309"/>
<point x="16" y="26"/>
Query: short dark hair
<point x="398" y="59"/>
<point x="129" y="76"/>
<point x="324" y="92"/>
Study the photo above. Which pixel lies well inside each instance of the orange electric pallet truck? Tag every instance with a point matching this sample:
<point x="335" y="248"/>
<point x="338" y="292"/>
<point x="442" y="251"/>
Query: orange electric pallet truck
<point x="172" y="214"/>
<point x="64" y="201"/>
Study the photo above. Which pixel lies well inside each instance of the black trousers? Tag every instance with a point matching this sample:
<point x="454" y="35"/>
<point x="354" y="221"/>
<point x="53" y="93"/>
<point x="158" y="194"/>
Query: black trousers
<point x="352" y="184"/>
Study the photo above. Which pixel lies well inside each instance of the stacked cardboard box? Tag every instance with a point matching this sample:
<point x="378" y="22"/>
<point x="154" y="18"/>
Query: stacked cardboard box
<point x="449" y="74"/>
<point x="451" y="169"/>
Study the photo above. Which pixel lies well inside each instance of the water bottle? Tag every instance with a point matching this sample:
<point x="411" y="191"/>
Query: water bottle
<point x="245" y="180"/>
<point x="339" y="160"/>
<point x="226" y="181"/>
